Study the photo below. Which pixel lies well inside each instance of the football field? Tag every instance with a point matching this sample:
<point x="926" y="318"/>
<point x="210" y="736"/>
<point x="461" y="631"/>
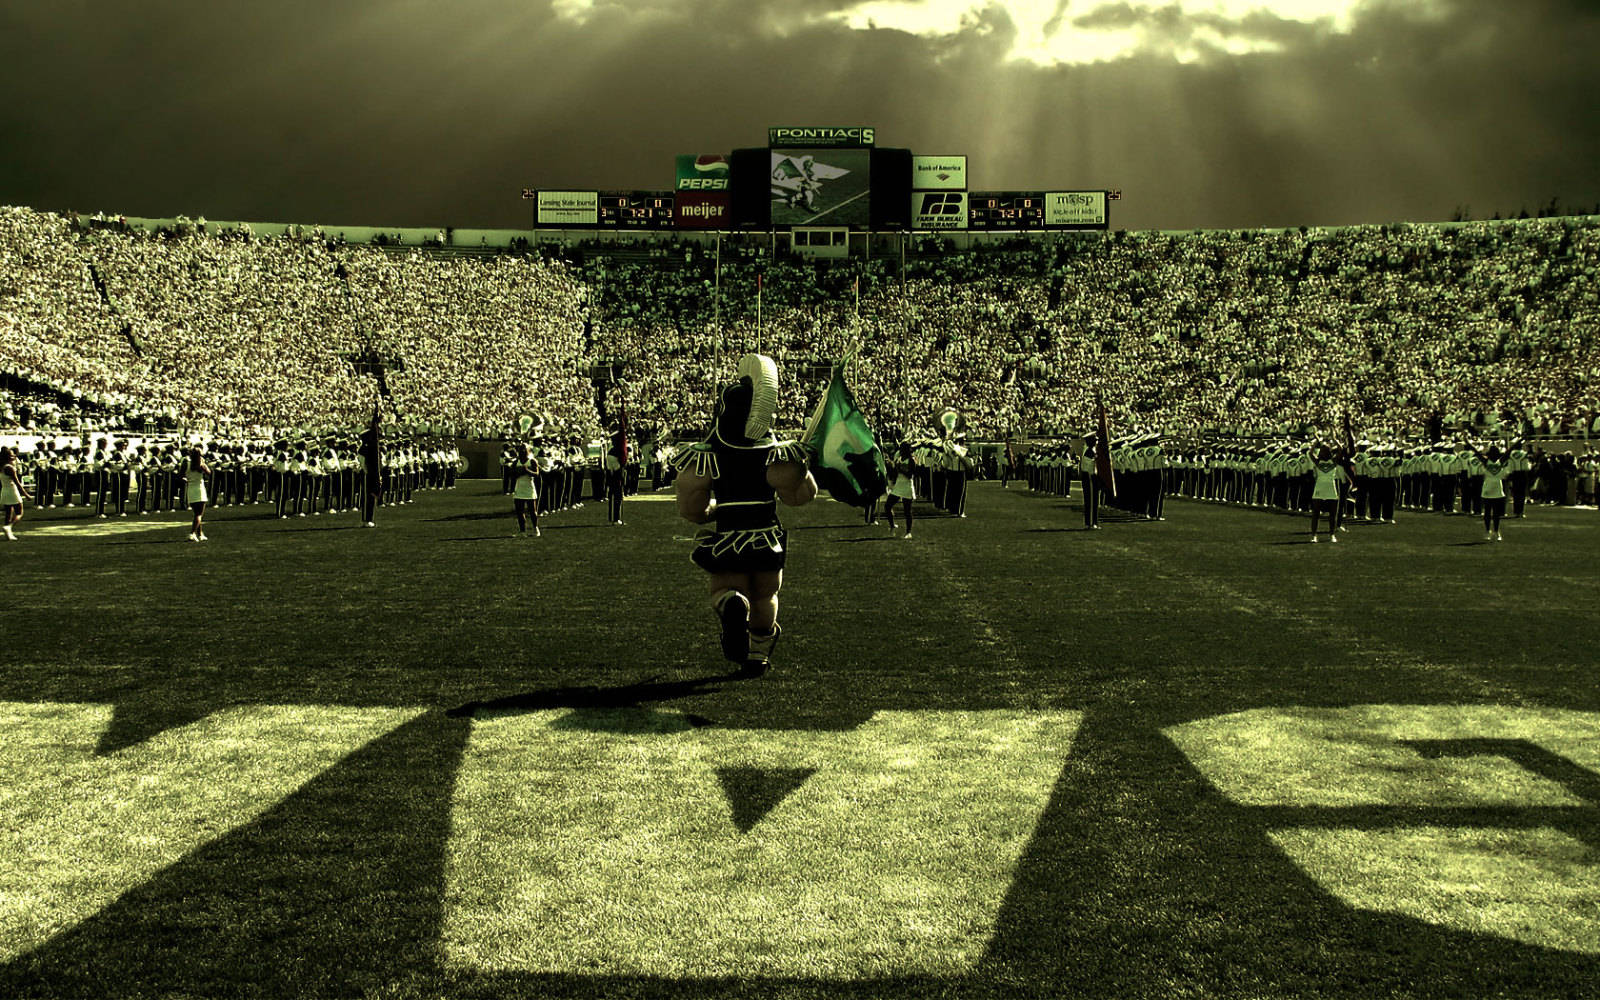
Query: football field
<point x="1004" y="758"/>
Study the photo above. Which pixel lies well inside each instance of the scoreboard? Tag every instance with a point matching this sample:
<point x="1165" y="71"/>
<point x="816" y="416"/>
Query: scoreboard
<point x="637" y="209"/>
<point x="1006" y="210"/>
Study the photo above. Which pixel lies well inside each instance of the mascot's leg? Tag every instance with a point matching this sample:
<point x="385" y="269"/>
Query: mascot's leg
<point x="732" y="605"/>
<point x="764" y="630"/>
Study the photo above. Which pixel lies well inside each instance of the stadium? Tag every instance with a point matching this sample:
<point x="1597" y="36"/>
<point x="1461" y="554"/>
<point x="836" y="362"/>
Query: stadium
<point x="1106" y="723"/>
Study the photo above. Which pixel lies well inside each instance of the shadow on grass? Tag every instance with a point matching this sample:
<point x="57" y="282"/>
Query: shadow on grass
<point x="1142" y="880"/>
<point x="325" y="527"/>
<point x="472" y="516"/>
<point x="599" y="700"/>
<point x="334" y="892"/>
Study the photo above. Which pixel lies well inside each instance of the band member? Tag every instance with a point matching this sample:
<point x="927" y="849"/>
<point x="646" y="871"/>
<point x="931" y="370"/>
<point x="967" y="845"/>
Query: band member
<point x="372" y="462"/>
<point x="734" y="479"/>
<point x="1091" y="485"/>
<point x="616" y="460"/>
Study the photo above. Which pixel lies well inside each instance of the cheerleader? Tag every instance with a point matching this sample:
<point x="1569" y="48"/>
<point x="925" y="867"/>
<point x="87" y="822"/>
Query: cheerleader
<point x="1325" y="493"/>
<point x="1490" y="472"/>
<point x="194" y="475"/>
<point x="902" y="487"/>
<point x="525" y="491"/>
<point x="12" y="492"/>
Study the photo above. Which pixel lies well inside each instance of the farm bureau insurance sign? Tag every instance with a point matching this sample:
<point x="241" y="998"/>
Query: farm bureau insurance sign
<point x="1075" y="208"/>
<point x="785" y="137"/>
<point x="938" y="210"/>
<point x="569" y="208"/>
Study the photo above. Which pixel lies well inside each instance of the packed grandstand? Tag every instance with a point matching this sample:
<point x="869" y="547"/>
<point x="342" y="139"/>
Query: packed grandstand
<point x="1402" y="328"/>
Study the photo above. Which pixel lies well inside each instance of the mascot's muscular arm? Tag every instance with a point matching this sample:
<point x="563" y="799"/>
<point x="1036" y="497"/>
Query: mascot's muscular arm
<point x="694" y="497"/>
<point x="791" y="481"/>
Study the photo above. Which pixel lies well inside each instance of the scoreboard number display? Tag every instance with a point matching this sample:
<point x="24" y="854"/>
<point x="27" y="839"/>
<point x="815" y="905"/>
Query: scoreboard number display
<point x="637" y="209"/>
<point x="1006" y="210"/>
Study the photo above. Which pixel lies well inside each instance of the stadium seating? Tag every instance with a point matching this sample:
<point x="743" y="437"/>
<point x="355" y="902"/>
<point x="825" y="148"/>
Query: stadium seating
<point x="1486" y="324"/>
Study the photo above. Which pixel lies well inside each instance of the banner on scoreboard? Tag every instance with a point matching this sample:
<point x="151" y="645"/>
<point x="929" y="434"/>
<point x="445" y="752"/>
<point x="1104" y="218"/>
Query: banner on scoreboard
<point x="813" y="137"/>
<point x="569" y="208"/>
<point x="1075" y="208"/>
<point x="938" y="210"/>
<point x="938" y="173"/>
<point x="705" y="172"/>
<point x="702" y="209"/>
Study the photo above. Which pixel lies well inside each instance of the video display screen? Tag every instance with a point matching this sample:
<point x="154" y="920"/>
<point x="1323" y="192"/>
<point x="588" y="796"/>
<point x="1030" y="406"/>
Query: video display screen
<point x="829" y="187"/>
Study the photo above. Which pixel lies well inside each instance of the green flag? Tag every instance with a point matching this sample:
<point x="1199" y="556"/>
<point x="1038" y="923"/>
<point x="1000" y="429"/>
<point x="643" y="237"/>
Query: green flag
<point x="845" y="457"/>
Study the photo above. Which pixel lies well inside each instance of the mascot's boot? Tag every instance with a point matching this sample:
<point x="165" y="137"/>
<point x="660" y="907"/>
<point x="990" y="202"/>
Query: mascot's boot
<point x="733" y="611"/>
<point x="760" y="655"/>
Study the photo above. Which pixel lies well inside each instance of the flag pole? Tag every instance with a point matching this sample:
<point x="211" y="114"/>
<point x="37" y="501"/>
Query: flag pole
<point x="716" y="302"/>
<point x="758" y="312"/>
<point x="855" y="330"/>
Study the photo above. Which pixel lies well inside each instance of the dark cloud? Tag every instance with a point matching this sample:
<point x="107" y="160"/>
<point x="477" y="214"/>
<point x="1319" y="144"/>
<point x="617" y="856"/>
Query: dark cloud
<point x="425" y="113"/>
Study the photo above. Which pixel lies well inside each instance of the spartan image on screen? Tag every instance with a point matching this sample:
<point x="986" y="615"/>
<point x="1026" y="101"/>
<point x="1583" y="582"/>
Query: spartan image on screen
<point x="828" y="186"/>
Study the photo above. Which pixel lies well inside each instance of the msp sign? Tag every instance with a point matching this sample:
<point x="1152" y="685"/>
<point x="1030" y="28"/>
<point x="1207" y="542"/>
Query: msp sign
<point x="938" y="173"/>
<point x="938" y="210"/>
<point x="1075" y="208"/>
<point x="569" y="208"/>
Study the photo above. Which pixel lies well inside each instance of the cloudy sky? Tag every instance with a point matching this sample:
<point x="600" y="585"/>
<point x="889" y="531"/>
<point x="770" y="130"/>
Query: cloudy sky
<point x="438" y="112"/>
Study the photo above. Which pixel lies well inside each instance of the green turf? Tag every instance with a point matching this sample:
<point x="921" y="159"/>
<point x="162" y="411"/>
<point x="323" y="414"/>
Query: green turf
<point x="1266" y="769"/>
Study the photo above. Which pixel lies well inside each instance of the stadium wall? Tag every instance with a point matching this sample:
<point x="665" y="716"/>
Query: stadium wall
<point x="959" y="239"/>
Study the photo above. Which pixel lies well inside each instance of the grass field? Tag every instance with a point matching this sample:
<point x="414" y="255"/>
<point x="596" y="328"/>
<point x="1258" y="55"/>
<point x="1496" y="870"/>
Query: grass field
<point x="1008" y="757"/>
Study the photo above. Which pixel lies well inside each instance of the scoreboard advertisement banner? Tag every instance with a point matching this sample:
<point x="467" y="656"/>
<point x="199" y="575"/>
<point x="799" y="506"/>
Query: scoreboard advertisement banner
<point x="858" y="135"/>
<point x="938" y="173"/>
<point x="938" y="210"/>
<point x="1006" y="210"/>
<point x="569" y="208"/>
<point x="1075" y="208"/>
<point x="703" y="209"/>
<point x="830" y="187"/>
<point x="637" y="209"/>
<point x="706" y="172"/>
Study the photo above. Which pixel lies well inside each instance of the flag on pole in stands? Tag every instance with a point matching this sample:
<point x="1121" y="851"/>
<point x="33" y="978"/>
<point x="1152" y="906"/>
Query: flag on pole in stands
<point x="1102" y="456"/>
<point x="844" y="454"/>
<point x="622" y="429"/>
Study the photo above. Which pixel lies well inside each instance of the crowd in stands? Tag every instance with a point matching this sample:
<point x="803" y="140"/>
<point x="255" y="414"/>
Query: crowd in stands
<point x="1405" y="329"/>
<point x="256" y="336"/>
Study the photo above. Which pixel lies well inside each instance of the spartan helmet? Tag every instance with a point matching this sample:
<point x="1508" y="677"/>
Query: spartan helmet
<point x="745" y="408"/>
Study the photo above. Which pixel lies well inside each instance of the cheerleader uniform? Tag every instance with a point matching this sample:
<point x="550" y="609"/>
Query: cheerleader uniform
<point x="10" y="496"/>
<point x="194" y="490"/>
